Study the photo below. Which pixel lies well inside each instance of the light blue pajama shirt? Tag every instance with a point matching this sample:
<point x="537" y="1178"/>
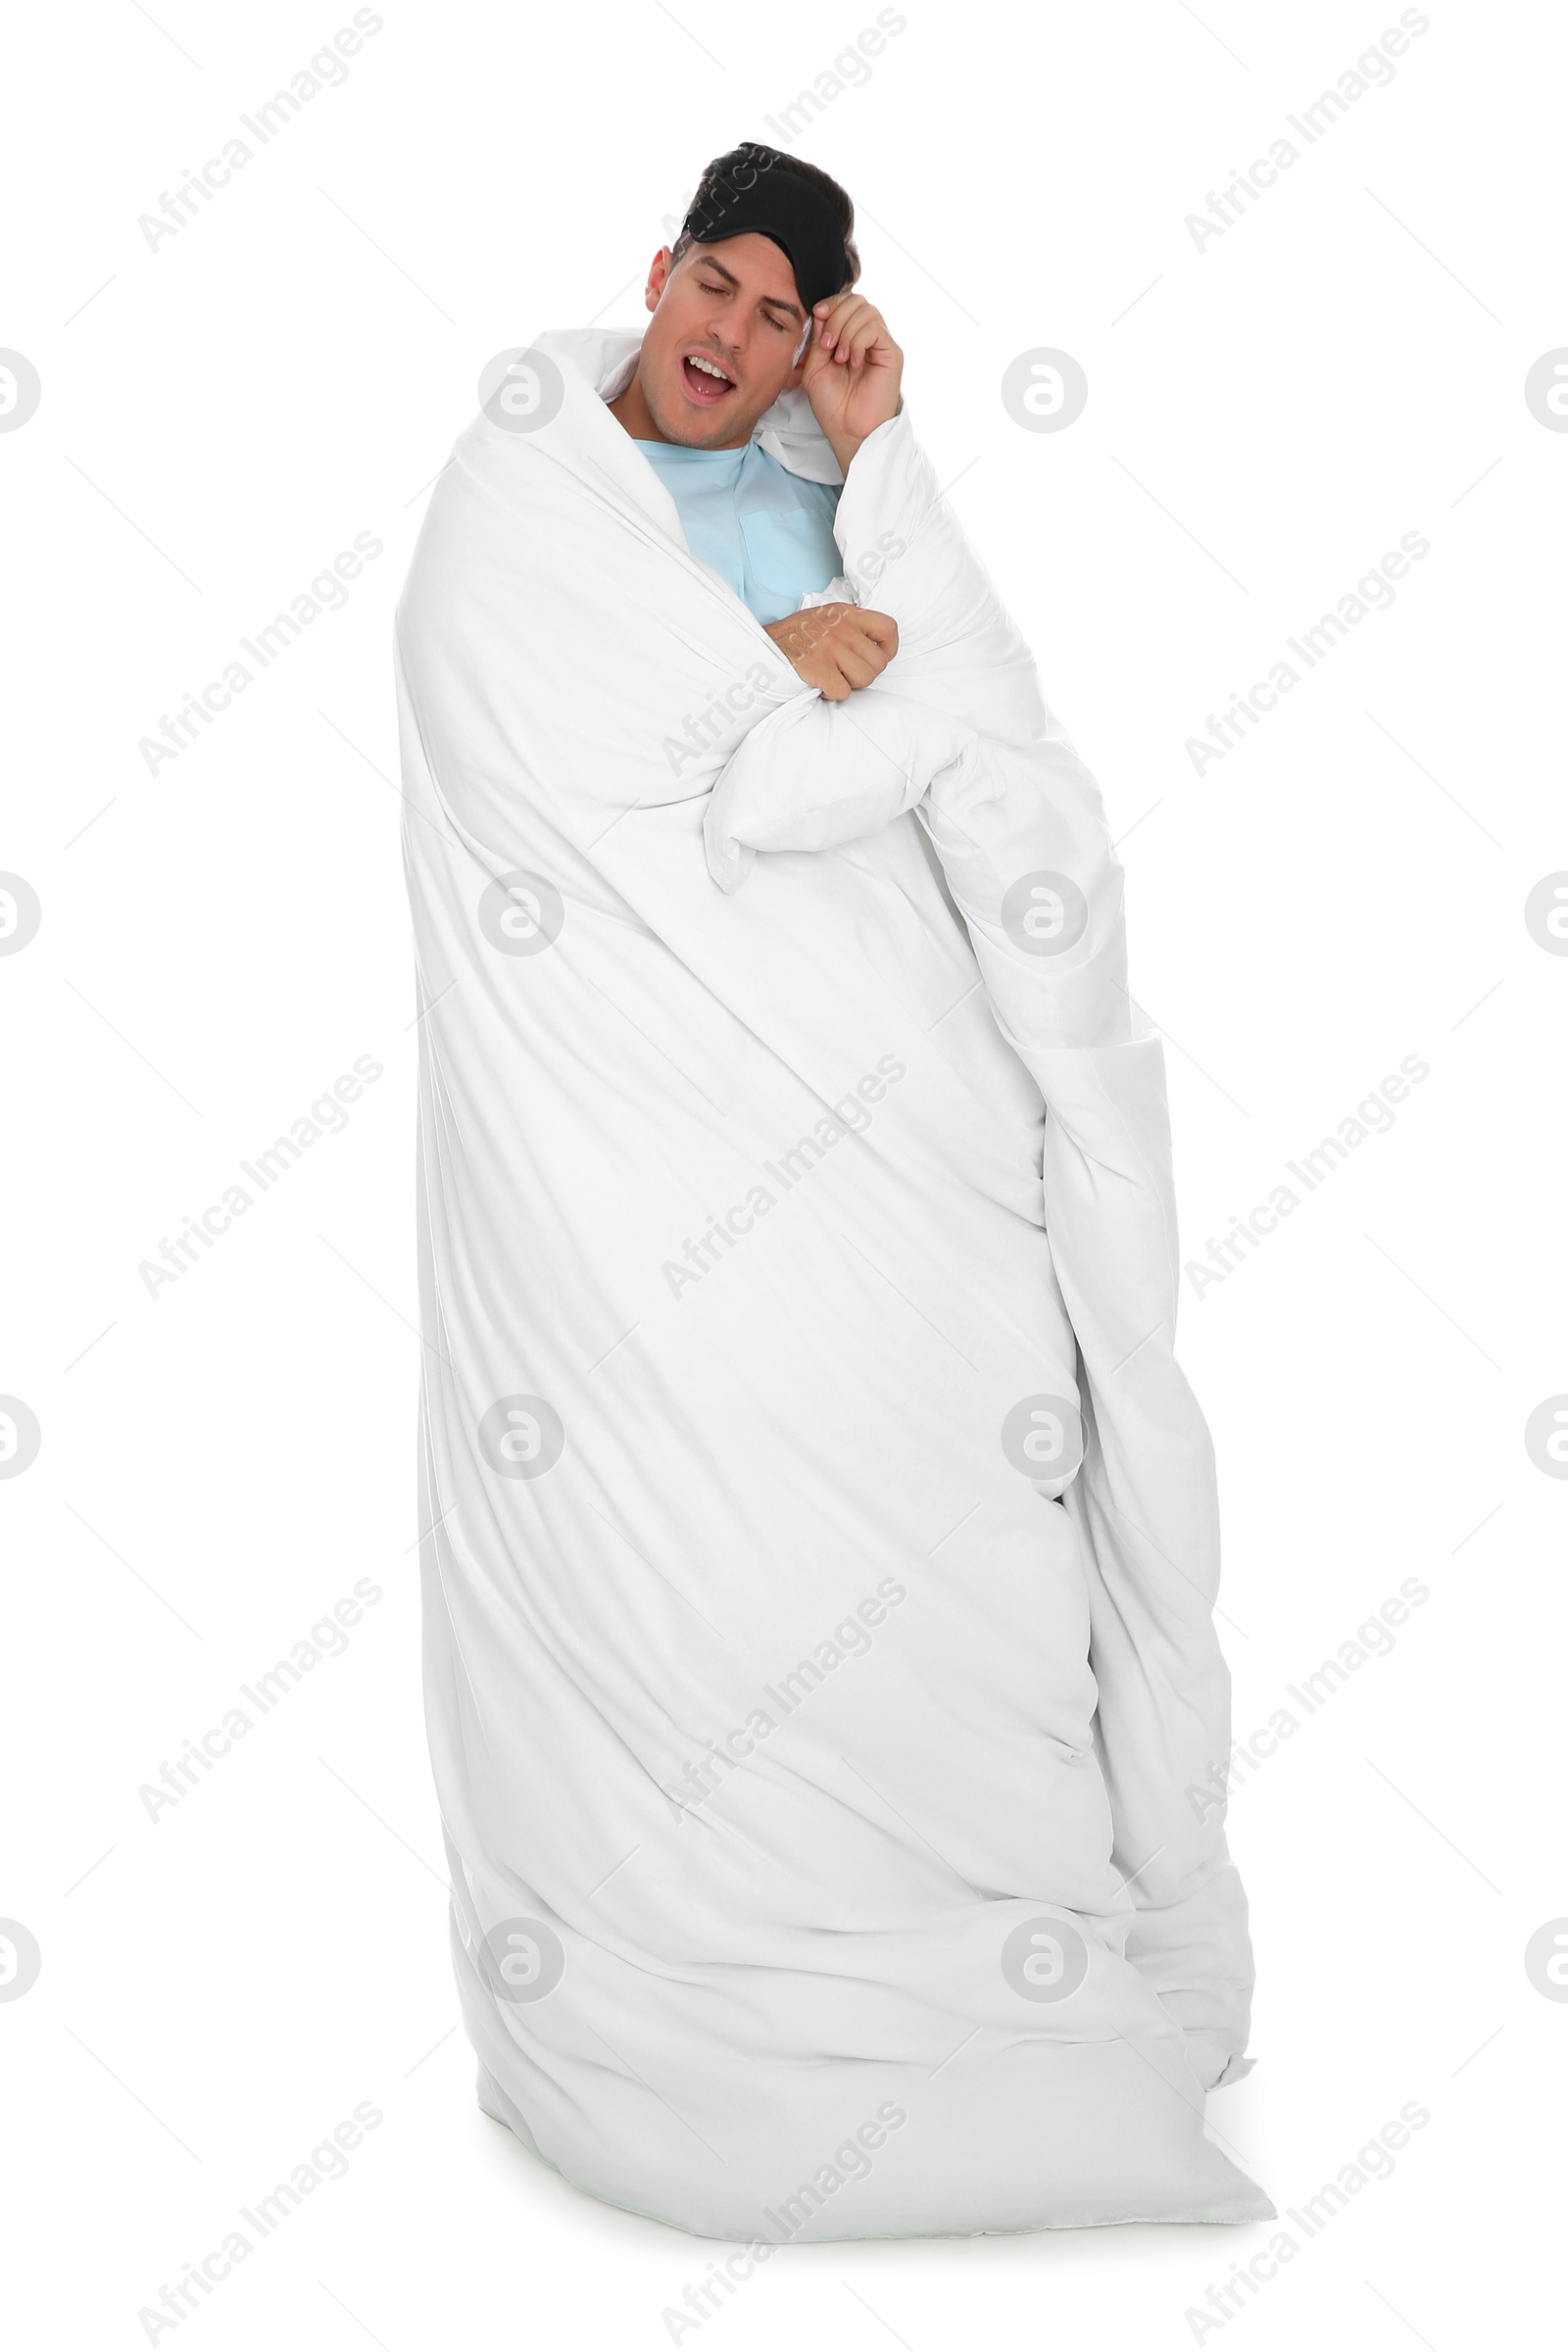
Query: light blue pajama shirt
<point x="765" y="530"/>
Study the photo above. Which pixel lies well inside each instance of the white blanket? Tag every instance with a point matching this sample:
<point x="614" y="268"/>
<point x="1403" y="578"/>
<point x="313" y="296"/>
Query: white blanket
<point x="831" y="1811"/>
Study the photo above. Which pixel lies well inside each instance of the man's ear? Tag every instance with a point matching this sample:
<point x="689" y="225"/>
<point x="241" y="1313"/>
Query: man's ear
<point x="659" y="271"/>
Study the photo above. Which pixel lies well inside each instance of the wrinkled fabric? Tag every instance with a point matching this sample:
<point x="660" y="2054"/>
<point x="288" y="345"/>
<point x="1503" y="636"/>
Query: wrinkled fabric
<point x="767" y="534"/>
<point x="818" y="1537"/>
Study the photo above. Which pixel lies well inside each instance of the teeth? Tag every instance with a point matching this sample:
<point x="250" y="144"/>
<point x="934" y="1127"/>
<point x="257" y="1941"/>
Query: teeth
<point x="706" y="367"/>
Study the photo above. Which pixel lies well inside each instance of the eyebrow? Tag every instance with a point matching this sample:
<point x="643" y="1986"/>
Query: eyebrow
<point x="773" y="301"/>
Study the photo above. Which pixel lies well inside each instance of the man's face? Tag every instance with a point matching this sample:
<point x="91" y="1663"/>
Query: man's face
<point x="732" y="308"/>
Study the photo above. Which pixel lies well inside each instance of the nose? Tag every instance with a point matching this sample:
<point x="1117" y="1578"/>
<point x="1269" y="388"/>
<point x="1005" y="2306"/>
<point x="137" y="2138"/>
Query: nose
<point x="726" y="333"/>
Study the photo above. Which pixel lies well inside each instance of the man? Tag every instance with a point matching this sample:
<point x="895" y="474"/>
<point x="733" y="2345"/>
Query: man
<point x="819" y="1538"/>
<point x="729" y="325"/>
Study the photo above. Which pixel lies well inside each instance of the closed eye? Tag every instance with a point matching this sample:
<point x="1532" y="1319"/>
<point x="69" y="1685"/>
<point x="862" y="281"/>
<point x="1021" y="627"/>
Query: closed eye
<point x="779" y="326"/>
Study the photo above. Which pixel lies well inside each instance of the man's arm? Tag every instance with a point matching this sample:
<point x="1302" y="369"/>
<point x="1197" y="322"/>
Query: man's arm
<point x="853" y="372"/>
<point x="959" y="650"/>
<point x="852" y="376"/>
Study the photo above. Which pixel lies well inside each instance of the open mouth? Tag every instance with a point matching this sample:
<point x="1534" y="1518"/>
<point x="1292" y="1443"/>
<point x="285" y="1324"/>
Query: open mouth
<point x="706" y="380"/>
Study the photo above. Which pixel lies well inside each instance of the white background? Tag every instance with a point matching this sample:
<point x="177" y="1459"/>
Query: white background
<point x="220" y="940"/>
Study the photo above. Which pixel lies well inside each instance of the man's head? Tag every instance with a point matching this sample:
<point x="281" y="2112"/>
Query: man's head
<point x="730" y="312"/>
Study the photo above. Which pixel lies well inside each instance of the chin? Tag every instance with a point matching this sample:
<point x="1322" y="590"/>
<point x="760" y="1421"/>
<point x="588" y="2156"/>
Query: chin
<point x="691" y="427"/>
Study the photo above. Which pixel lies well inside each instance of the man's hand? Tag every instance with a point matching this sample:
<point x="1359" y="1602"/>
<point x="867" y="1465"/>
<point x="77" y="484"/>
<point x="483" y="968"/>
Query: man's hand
<point x="852" y="374"/>
<point x="837" y="647"/>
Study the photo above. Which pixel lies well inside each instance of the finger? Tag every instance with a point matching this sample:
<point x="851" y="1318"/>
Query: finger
<point x="832" y="315"/>
<point x="818" y="362"/>
<point x="815" y="625"/>
<point x="847" y="323"/>
<point x="875" y="655"/>
<point x="828" y="313"/>
<point x="854" y="637"/>
<point x="860" y="661"/>
<point x="864" y="338"/>
<point x="882" y="629"/>
<point x="816" y="664"/>
<point x="847" y="638"/>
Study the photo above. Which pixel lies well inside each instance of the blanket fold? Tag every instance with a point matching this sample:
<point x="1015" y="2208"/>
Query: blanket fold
<point x="796" y="1235"/>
